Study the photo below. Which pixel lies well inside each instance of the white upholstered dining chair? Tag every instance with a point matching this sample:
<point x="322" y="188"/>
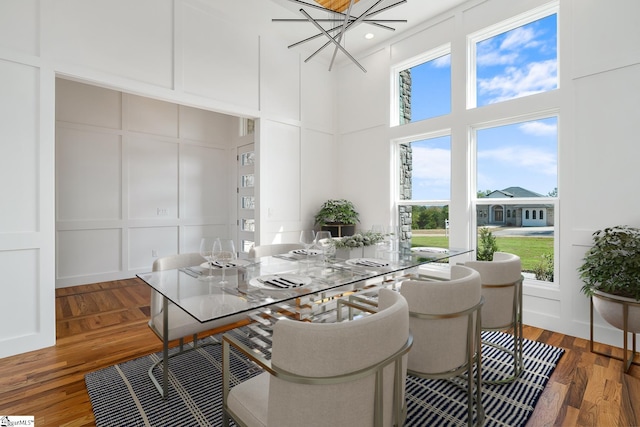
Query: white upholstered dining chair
<point x="349" y="373"/>
<point x="445" y="323"/>
<point x="273" y="249"/>
<point x="180" y="323"/>
<point x="502" y="310"/>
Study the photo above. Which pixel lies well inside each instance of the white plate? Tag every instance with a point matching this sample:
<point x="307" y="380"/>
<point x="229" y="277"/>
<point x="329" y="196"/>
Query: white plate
<point x="236" y="263"/>
<point x="430" y="249"/>
<point x="279" y="282"/>
<point x="367" y="262"/>
<point x="303" y="252"/>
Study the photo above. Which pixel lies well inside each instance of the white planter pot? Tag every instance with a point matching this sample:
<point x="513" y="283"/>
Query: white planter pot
<point x="369" y="251"/>
<point x="610" y="307"/>
<point x="349" y="253"/>
<point x="361" y="252"/>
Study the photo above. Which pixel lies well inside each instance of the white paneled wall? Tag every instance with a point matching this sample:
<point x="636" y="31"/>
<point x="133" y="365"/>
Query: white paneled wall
<point x="26" y="251"/>
<point x="133" y="39"/>
<point x="136" y="178"/>
<point x="214" y="50"/>
<point x="202" y="55"/>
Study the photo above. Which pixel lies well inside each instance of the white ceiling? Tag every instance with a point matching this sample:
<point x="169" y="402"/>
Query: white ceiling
<point x="414" y="11"/>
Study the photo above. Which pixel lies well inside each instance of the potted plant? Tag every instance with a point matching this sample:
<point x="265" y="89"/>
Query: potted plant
<point x="339" y="216"/>
<point x="611" y="276"/>
<point x="358" y="245"/>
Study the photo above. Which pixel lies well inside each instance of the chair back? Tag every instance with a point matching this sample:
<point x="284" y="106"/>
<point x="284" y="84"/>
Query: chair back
<point x="340" y="349"/>
<point x="177" y="261"/>
<point x="180" y="323"/>
<point x="442" y="331"/>
<point x="274" y="249"/>
<point x="501" y="282"/>
<point x="171" y="262"/>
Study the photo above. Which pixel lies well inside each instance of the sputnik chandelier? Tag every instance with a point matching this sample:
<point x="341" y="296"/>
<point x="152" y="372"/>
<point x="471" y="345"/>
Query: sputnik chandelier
<point x="339" y="20"/>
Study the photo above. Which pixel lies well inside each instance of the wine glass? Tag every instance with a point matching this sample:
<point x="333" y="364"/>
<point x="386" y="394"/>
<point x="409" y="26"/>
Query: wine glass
<point x="206" y="251"/>
<point x="383" y="245"/>
<point x="307" y="238"/>
<point x="324" y="242"/>
<point x="224" y="251"/>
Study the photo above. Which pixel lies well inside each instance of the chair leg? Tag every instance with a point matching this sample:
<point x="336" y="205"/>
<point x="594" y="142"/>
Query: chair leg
<point x="470" y="394"/>
<point x="516" y="355"/>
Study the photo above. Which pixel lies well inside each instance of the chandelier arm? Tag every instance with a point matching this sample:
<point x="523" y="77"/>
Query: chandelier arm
<point x="391" y="6"/>
<point x="339" y="35"/>
<point x="331" y="39"/>
<point x="366" y="21"/>
<point x="341" y="29"/>
<point x="376" y="24"/>
<point x="308" y="39"/>
<point x="344" y="29"/>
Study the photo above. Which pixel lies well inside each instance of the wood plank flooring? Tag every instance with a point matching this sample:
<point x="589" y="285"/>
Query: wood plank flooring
<point x="102" y="324"/>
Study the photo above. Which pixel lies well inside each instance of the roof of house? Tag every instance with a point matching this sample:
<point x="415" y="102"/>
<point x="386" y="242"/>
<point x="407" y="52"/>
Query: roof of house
<point x="514" y="192"/>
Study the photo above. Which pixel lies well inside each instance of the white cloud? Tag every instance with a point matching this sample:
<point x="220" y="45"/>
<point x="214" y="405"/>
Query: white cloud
<point x="539" y="128"/>
<point x="432" y="164"/>
<point x="536" y="77"/>
<point x="443" y="61"/>
<point x="529" y="158"/>
<point x="488" y="54"/>
<point x="519" y="38"/>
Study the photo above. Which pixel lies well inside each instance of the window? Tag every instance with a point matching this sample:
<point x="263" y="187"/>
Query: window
<point x="425" y="185"/>
<point x="501" y="161"/>
<point x="519" y="159"/>
<point x="514" y="59"/>
<point x="429" y="169"/>
<point x="424" y="87"/>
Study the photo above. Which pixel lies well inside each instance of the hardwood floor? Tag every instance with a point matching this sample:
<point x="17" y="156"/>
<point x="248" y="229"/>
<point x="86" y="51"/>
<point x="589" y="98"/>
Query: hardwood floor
<point x="102" y="324"/>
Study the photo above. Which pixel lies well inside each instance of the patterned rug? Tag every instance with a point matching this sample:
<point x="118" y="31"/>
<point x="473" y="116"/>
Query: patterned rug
<point x="124" y="395"/>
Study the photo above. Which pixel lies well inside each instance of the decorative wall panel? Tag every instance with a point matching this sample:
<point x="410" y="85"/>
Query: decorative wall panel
<point x="19" y="152"/>
<point x="88" y="175"/>
<point x="88" y="252"/>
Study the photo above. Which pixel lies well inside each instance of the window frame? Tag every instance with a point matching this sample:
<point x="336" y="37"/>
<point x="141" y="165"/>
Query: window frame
<point x="430" y="55"/>
<point x="486" y="33"/>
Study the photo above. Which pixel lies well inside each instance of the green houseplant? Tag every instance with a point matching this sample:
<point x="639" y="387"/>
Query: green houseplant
<point x="612" y="264"/>
<point x="611" y="276"/>
<point x="339" y="216"/>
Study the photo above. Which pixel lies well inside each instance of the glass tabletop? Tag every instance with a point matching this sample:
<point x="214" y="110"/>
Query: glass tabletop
<point x="254" y="284"/>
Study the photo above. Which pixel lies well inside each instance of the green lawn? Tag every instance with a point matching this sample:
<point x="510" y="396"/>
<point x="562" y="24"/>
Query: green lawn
<point x="529" y="249"/>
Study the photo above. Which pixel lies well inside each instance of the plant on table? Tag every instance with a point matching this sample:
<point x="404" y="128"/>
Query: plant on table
<point x="358" y="240"/>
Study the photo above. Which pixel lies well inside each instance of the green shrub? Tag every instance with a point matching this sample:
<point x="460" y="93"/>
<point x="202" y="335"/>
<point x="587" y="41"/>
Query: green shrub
<point x="544" y="269"/>
<point x="487" y="245"/>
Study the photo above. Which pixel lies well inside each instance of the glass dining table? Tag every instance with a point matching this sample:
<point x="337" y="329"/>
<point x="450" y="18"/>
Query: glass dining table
<point x="298" y="285"/>
<point x="292" y="280"/>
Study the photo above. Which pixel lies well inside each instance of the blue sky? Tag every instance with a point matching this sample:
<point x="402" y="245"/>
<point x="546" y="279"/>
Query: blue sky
<point x="514" y="64"/>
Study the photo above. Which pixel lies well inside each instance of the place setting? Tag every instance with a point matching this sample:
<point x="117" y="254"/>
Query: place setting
<point x="278" y="285"/>
<point x="367" y="262"/>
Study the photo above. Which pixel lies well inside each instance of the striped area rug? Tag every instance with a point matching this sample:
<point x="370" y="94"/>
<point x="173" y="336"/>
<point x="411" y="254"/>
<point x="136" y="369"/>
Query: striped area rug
<point x="123" y="395"/>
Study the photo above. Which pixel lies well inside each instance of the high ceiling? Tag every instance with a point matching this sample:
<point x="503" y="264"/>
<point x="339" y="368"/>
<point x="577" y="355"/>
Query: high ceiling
<point x="413" y="11"/>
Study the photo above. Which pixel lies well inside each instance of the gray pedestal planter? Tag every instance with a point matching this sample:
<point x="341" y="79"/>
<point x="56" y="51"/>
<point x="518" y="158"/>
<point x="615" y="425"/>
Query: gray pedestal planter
<point x="622" y="313"/>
